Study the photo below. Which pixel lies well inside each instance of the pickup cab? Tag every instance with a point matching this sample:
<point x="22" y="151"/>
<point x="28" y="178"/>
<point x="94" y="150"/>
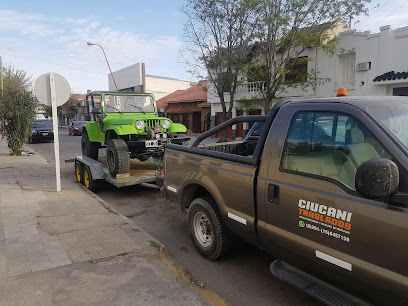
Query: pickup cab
<point x="325" y="191"/>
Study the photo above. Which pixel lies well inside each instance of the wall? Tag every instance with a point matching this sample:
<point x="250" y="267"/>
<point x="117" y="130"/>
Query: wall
<point x="127" y="77"/>
<point x="162" y="86"/>
<point x="131" y="79"/>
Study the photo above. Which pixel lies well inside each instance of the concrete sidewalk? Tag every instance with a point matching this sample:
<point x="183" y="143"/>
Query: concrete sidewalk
<point x="71" y="248"/>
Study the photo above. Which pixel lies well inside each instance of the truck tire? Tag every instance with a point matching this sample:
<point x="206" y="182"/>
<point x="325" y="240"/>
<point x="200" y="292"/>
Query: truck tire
<point x="117" y="155"/>
<point x="208" y="231"/>
<point x="89" y="148"/>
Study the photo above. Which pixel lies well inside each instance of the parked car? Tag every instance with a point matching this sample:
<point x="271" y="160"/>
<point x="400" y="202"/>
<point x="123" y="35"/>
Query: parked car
<point x="42" y="130"/>
<point x="75" y="128"/>
<point x="325" y="191"/>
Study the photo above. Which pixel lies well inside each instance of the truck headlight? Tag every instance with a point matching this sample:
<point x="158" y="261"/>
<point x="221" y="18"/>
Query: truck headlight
<point x="140" y="124"/>
<point x="165" y="124"/>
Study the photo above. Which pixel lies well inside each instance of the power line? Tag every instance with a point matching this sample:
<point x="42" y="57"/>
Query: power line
<point x="375" y="12"/>
<point x="390" y="14"/>
<point x="50" y="62"/>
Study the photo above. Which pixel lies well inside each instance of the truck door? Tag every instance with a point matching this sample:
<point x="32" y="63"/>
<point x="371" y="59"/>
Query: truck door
<point x="314" y="218"/>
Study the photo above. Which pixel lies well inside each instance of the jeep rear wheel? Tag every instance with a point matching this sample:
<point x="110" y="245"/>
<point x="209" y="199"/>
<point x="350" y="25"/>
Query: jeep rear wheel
<point x="89" y="148"/>
<point x="117" y="155"/>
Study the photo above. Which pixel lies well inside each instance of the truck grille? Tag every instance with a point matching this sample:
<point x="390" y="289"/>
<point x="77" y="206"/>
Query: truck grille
<point x="151" y="124"/>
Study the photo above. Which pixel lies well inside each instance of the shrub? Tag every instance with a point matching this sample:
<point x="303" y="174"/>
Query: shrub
<point x="17" y="112"/>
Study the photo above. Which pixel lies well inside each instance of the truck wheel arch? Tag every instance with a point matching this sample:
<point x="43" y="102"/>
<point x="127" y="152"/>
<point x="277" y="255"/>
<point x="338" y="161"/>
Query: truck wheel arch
<point x="193" y="191"/>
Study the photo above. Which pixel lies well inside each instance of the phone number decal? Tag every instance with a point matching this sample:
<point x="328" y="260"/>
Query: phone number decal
<point x="324" y="231"/>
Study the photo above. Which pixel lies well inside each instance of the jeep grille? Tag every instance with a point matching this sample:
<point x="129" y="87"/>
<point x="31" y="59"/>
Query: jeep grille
<point x="151" y="124"/>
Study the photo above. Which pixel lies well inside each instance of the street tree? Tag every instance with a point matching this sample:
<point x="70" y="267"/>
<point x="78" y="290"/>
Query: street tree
<point x="285" y="30"/>
<point x="70" y="108"/>
<point x="218" y="35"/>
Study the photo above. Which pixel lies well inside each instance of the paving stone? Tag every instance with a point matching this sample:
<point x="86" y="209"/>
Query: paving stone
<point x="42" y="266"/>
<point x="80" y="258"/>
<point x="59" y="259"/>
<point x="36" y="251"/>
<point x="53" y="247"/>
<point x="18" y="268"/>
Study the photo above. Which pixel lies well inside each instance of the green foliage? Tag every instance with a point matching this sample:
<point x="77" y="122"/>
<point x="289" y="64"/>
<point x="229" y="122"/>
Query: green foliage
<point x="17" y="108"/>
<point x="17" y="111"/>
<point x="70" y="108"/>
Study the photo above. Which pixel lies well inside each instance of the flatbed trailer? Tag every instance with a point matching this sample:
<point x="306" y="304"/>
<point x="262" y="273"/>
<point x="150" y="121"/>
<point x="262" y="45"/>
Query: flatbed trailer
<point x="90" y="173"/>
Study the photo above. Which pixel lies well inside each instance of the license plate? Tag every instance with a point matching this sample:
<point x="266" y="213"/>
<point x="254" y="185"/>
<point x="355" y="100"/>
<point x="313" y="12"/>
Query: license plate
<point x="151" y="143"/>
<point x="44" y="134"/>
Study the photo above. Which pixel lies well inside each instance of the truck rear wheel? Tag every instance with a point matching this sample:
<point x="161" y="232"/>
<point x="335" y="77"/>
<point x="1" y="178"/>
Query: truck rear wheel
<point x="210" y="236"/>
<point x="89" y="148"/>
<point x="117" y="155"/>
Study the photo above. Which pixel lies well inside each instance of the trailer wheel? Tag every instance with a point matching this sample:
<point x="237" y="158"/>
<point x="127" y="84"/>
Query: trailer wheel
<point x="89" y="148"/>
<point x="210" y="236"/>
<point x="117" y="155"/>
<point x="78" y="171"/>
<point x="89" y="182"/>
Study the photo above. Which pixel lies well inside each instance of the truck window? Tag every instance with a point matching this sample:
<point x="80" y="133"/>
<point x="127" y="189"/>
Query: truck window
<point x="331" y="145"/>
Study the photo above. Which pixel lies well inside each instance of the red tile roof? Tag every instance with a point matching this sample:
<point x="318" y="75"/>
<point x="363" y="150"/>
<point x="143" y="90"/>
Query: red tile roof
<point x="179" y="110"/>
<point x="194" y="93"/>
<point x="204" y="104"/>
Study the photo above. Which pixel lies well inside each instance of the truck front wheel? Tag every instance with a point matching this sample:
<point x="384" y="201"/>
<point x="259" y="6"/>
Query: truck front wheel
<point x="208" y="231"/>
<point x="118" y="158"/>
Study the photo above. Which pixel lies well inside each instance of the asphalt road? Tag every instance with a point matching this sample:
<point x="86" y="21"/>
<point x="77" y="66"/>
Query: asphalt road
<point x="242" y="278"/>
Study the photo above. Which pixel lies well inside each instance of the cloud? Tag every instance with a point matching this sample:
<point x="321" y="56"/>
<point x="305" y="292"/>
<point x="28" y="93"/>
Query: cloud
<point x="59" y="45"/>
<point x="26" y="24"/>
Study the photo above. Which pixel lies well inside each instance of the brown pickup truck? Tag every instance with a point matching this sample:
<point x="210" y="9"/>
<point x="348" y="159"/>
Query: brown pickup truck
<point x="325" y="190"/>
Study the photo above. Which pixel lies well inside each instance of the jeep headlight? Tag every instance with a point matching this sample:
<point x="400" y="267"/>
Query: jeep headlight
<point x="140" y="124"/>
<point x="165" y="124"/>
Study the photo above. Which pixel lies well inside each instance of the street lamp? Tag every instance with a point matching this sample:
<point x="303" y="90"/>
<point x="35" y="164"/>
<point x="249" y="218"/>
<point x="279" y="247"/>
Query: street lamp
<point x="92" y="44"/>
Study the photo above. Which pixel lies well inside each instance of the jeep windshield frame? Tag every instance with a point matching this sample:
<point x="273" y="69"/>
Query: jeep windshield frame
<point x="122" y="103"/>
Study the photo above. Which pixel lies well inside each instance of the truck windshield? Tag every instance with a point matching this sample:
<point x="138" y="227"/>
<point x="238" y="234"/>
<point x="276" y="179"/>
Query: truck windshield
<point x="393" y="117"/>
<point x="128" y="104"/>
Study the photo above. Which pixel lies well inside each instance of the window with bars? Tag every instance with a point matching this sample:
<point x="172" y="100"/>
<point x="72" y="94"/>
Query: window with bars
<point x="347" y="64"/>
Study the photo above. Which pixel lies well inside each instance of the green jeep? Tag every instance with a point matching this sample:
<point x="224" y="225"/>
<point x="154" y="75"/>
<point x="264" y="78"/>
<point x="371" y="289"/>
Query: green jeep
<point x="127" y="124"/>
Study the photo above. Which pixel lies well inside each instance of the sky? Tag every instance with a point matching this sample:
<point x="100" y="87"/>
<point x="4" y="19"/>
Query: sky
<point x="50" y="36"/>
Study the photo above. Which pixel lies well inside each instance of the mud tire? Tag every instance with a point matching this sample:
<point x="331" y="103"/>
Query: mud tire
<point x="89" y="149"/>
<point x="118" y="158"/>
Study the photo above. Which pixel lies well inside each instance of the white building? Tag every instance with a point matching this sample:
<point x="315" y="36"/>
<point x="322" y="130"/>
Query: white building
<point x="134" y="79"/>
<point x="373" y="64"/>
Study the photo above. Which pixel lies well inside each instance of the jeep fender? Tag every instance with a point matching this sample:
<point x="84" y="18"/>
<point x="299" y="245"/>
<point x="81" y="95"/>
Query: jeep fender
<point x="94" y="132"/>
<point x="177" y="128"/>
<point x="124" y="129"/>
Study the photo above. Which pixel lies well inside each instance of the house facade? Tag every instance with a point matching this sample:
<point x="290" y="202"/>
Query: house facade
<point x="189" y="107"/>
<point x="365" y="64"/>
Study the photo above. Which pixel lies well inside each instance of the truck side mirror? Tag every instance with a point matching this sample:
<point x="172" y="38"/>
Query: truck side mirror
<point x="96" y="111"/>
<point x="377" y="178"/>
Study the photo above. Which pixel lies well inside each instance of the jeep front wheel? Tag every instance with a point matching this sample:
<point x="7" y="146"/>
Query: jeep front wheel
<point x="117" y="155"/>
<point x="89" y="148"/>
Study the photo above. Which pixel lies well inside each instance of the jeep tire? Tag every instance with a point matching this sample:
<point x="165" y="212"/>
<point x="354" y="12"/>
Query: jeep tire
<point x="89" y="148"/>
<point x="118" y="158"/>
